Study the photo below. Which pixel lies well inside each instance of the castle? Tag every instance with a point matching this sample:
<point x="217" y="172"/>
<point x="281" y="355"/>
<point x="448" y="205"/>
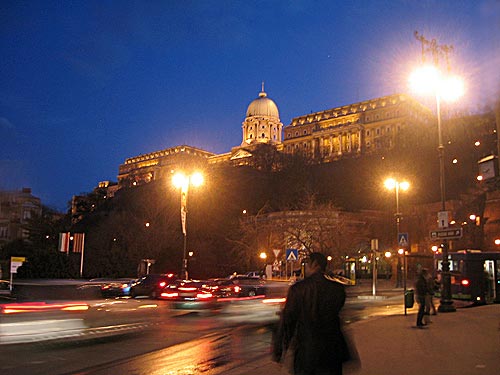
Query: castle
<point x="350" y="130"/>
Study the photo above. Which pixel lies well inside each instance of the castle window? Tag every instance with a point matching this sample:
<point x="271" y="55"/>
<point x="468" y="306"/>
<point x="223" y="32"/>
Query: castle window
<point x="263" y="135"/>
<point x="367" y="133"/>
<point x="4" y="232"/>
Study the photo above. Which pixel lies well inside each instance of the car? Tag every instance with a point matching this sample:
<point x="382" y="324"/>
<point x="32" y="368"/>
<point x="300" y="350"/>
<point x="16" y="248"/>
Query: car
<point x="151" y="285"/>
<point x="239" y="286"/>
<point x="189" y="294"/>
<point x="117" y="288"/>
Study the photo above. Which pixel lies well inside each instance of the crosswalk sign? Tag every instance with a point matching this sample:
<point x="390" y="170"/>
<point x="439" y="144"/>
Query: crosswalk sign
<point x="403" y="240"/>
<point x="292" y="255"/>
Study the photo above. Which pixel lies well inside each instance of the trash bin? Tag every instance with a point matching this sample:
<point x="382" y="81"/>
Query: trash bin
<point x="409" y="298"/>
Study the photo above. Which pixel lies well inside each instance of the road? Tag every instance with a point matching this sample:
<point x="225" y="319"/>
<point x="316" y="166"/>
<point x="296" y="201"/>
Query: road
<point x="174" y="342"/>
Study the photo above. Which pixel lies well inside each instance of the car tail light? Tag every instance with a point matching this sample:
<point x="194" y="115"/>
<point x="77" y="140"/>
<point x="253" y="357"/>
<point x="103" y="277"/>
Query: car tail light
<point x="124" y="285"/>
<point x="162" y="284"/>
<point x="465" y="282"/>
<point x="204" y="295"/>
<point x="187" y="289"/>
<point x="237" y="289"/>
<point x="169" y="295"/>
<point x="105" y="287"/>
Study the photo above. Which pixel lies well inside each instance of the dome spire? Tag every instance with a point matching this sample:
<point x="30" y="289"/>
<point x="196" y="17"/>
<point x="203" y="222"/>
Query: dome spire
<point x="262" y="94"/>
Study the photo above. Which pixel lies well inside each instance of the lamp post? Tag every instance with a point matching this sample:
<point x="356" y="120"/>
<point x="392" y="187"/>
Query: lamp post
<point x="182" y="181"/>
<point x="429" y="79"/>
<point x="392" y="184"/>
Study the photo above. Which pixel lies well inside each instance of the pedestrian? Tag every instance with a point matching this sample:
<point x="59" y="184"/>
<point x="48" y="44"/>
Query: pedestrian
<point x="422" y="290"/>
<point x="309" y="338"/>
<point x="430" y="308"/>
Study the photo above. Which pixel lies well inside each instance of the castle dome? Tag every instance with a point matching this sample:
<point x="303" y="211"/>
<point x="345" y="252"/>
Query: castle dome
<point x="263" y="106"/>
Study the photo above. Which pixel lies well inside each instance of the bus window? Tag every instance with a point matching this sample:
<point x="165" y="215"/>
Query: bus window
<point x="489" y="274"/>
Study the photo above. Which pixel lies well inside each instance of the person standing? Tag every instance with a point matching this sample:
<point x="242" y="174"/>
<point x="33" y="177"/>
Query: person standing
<point x="310" y="329"/>
<point x="422" y="290"/>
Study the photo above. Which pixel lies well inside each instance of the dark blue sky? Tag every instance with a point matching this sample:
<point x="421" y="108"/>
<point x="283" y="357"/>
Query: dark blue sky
<point x="86" y="84"/>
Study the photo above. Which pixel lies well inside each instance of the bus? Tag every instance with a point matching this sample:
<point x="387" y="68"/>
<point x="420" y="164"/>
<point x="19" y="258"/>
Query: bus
<point x="475" y="275"/>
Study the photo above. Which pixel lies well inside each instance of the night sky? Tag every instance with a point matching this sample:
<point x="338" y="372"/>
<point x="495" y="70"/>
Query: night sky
<point x="86" y="84"/>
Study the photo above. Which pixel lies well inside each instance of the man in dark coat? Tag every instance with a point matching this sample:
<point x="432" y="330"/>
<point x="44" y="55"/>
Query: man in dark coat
<point x="422" y="290"/>
<point x="310" y="323"/>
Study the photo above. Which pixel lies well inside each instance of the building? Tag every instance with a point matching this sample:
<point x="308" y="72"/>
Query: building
<point x="325" y="136"/>
<point x="16" y="209"/>
<point x="354" y="129"/>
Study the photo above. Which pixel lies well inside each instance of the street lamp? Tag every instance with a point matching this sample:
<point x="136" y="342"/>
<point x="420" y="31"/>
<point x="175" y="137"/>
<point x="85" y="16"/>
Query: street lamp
<point x="182" y="181"/>
<point x="392" y="184"/>
<point x="429" y="79"/>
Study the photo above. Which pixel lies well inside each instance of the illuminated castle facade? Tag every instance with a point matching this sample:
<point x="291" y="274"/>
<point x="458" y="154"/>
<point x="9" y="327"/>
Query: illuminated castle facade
<point x="350" y="130"/>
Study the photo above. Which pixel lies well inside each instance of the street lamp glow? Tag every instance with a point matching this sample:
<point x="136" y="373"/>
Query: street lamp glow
<point x="428" y="79"/>
<point x="263" y="255"/>
<point x="180" y="180"/>
<point x="424" y="79"/>
<point x="197" y="179"/>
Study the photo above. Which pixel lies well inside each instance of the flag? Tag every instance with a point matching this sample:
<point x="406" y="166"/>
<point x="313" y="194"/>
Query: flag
<point x="64" y="242"/>
<point x="78" y="242"/>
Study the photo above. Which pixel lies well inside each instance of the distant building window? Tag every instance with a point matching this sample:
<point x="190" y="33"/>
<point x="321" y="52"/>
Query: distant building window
<point x="4" y="232"/>
<point x="26" y="214"/>
<point x="305" y="132"/>
<point x="263" y="135"/>
<point x="296" y="134"/>
<point x="378" y="131"/>
<point x="367" y="133"/>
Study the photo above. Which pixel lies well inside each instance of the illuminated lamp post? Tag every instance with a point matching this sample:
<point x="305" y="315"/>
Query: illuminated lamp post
<point x="428" y="79"/>
<point x="392" y="184"/>
<point x="182" y="181"/>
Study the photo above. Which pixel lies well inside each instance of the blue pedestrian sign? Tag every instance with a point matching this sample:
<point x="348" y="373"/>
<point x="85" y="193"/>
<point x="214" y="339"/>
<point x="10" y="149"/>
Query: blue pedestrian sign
<point x="403" y="240"/>
<point x="292" y="255"/>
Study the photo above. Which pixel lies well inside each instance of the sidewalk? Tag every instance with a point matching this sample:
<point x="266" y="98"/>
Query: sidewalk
<point x="463" y="342"/>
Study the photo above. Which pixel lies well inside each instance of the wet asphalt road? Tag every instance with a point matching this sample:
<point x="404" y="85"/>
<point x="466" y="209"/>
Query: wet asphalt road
<point x="186" y="344"/>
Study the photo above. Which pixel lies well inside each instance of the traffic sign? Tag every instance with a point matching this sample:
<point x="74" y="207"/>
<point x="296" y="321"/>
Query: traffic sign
<point x="446" y="234"/>
<point x="403" y="240"/>
<point x="292" y="255"/>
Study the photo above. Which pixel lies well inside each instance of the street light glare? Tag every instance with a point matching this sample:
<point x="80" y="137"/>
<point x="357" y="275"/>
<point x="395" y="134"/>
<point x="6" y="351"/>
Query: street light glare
<point x="451" y="88"/>
<point x="425" y="79"/>
<point x="405" y="185"/>
<point x="390" y="183"/>
<point x="179" y="180"/>
<point x="429" y="80"/>
<point x="197" y="179"/>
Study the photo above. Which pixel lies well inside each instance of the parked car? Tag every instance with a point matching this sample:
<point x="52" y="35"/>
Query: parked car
<point x="240" y="286"/>
<point x="151" y="285"/>
<point x="189" y="294"/>
<point x="117" y="288"/>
